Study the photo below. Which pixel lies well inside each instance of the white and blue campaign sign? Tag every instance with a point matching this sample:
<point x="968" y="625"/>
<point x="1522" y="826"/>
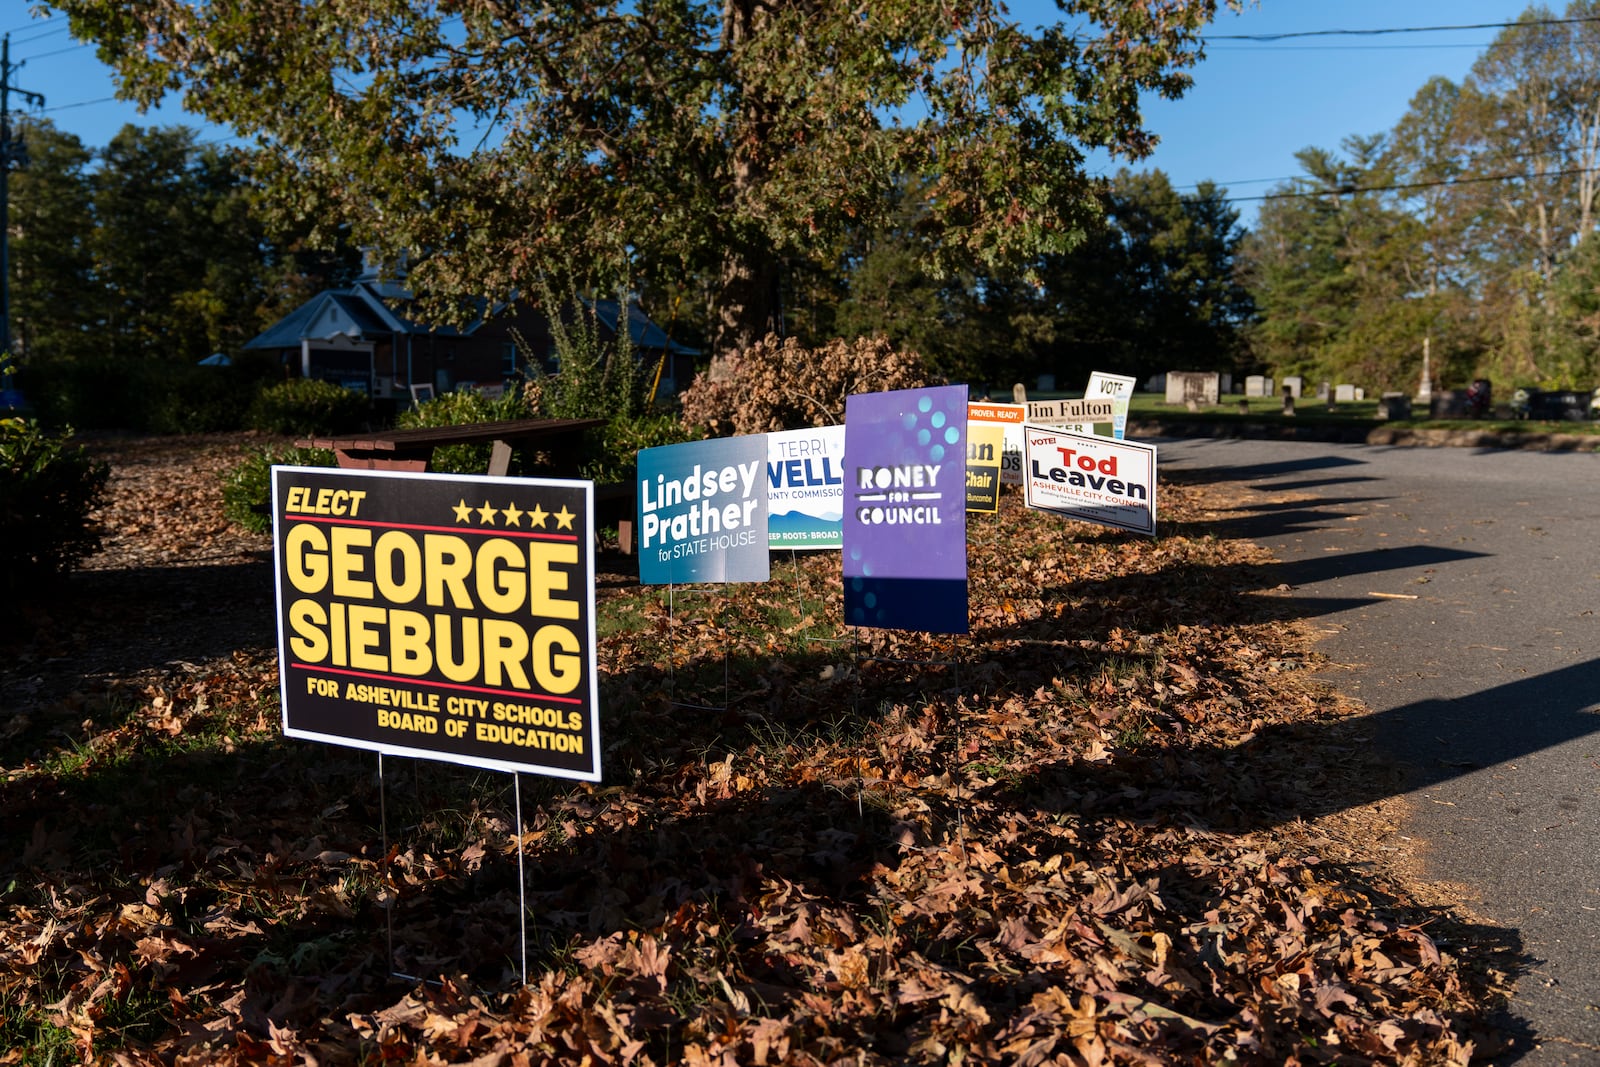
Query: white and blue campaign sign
<point x="703" y="512"/>
<point x="1120" y="389"/>
<point x="805" y="488"/>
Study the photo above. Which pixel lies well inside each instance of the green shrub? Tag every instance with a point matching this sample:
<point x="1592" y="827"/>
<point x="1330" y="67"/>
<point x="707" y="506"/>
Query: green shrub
<point x="597" y="379"/>
<point x="48" y="490"/>
<point x="144" y="396"/>
<point x="465" y="409"/>
<point x="192" y="399"/>
<point x="617" y="457"/>
<point x="305" y="406"/>
<point x="247" y="488"/>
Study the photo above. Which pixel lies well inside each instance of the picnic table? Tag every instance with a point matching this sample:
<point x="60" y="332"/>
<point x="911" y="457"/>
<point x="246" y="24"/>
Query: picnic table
<point x="412" y="450"/>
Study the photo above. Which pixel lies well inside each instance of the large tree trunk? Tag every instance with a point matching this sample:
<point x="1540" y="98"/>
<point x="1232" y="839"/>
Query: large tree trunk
<point x="745" y="307"/>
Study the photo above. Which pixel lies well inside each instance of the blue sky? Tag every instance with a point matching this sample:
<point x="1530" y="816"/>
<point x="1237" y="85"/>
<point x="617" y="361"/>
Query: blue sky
<point x="1253" y="105"/>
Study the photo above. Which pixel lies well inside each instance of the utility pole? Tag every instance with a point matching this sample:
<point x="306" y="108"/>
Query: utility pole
<point x="12" y="155"/>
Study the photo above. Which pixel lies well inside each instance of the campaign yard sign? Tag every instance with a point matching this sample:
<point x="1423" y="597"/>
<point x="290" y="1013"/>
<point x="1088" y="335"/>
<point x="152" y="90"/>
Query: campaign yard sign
<point x="444" y="617"/>
<point x="985" y="452"/>
<point x="703" y="512"/>
<point x="1120" y="389"/>
<point x="905" y="517"/>
<point x="1010" y="418"/>
<point x="805" y="488"/>
<point x="1092" y="478"/>
<point x="1076" y="416"/>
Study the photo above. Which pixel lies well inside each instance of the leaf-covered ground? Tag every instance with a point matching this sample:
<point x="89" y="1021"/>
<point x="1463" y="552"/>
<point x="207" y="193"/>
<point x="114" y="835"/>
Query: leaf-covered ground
<point x="1103" y="829"/>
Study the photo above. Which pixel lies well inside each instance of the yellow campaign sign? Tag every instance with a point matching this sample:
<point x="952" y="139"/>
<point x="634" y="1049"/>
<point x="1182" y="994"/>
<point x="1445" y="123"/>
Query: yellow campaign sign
<point x="985" y="451"/>
<point x="446" y="617"/>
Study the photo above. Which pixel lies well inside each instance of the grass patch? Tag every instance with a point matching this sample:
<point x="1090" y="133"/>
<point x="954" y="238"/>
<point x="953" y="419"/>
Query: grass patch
<point x="1234" y="410"/>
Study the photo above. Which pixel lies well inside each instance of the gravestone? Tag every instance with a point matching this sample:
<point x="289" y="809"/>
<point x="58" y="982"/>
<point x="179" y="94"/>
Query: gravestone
<point x="1294" y="385"/>
<point x="1361" y="393"/>
<point x="1394" y="406"/>
<point x="1200" y="387"/>
<point x="1257" y="385"/>
<point x="1448" y="404"/>
<point x="1563" y="406"/>
<point x="1344" y="394"/>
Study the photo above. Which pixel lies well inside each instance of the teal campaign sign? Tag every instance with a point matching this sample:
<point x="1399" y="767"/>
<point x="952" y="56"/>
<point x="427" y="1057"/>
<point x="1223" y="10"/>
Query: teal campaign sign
<point x="703" y="512"/>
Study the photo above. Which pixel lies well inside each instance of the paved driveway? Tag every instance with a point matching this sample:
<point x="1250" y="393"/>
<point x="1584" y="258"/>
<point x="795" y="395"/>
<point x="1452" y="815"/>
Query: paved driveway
<point x="1461" y="587"/>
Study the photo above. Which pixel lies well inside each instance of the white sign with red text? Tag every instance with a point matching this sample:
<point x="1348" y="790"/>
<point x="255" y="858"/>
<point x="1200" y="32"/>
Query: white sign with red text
<point x="1090" y="478"/>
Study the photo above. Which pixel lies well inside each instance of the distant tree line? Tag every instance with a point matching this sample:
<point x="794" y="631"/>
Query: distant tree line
<point x="154" y="249"/>
<point x="1467" y="230"/>
<point x="149" y="248"/>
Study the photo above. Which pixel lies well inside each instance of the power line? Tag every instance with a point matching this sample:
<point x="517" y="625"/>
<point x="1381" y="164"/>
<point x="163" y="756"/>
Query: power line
<point x="1352" y="190"/>
<point x="1348" y="48"/>
<point x="1397" y="29"/>
<point x="80" y="103"/>
<point x="45" y="31"/>
<point x="58" y="51"/>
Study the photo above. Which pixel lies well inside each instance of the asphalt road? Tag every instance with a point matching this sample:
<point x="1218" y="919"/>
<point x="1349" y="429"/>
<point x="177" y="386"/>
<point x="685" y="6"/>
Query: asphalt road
<point x="1460" y="586"/>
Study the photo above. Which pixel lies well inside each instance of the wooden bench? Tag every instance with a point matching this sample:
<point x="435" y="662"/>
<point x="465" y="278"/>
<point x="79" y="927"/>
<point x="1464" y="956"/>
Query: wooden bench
<point x="412" y="450"/>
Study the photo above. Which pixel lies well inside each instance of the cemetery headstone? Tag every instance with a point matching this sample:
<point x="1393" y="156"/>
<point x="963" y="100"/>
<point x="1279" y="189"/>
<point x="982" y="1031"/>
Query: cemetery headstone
<point x="1394" y="406"/>
<point x="1201" y="387"/>
<point x="1448" y="404"/>
<point x="1258" y="385"/>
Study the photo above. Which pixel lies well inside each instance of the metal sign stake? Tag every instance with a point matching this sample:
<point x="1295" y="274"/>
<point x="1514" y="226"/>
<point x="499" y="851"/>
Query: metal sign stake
<point x="522" y="881"/>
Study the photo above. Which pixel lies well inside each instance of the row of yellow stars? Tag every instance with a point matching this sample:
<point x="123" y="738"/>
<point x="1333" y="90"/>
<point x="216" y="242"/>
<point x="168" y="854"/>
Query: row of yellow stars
<point x="513" y="515"/>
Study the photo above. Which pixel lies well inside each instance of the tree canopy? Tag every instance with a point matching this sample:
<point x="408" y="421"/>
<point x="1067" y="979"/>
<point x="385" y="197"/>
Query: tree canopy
<point x="1466" y="230"/>
<point x="661" y="139"/>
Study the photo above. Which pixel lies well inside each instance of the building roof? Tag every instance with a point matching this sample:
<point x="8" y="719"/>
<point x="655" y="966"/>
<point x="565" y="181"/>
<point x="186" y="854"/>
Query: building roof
<point x="324" y="317"/>
<point x="644" y="332"/>
<point x="368" y="310"/>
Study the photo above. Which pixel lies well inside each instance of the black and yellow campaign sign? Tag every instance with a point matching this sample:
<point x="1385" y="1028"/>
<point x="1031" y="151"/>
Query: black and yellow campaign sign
<point x="443" y="616"/>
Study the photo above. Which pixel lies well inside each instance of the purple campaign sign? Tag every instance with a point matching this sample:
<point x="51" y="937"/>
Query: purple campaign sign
<point x="905" y="515"/>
